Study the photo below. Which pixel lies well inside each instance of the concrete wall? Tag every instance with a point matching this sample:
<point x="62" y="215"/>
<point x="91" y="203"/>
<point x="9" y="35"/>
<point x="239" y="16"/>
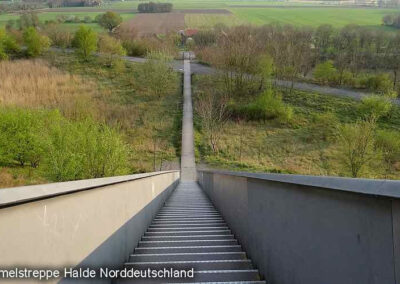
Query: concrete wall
<point x="312" y="230"/>
<point x="88" y="223"/>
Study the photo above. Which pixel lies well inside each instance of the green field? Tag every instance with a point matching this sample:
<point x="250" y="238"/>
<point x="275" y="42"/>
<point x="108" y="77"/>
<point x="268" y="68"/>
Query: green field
<point x="206" y="4"/>
<point x="46" y="16"/>
<point x="298" y="16"/>
<point x="337" y="17"/>
<point x="210" y="20"/>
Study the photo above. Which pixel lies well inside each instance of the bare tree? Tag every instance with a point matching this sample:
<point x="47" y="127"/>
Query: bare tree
<point x="212" y="108"/>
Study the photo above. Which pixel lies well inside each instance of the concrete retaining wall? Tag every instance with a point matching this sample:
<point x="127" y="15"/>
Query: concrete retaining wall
<point x="88" y="223"/>
<point x="312" y="230"/>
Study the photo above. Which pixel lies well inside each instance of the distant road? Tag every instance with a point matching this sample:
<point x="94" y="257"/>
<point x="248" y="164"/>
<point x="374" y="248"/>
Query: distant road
<point x="308" y="87"/>
<point x="197" y="68"/>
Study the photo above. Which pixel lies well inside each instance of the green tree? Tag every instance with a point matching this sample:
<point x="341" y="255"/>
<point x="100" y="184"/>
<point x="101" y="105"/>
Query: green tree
<point x="325" y="72"/>
<point x="85" y="42"/>
<point x="109" y="20"/>
<point x="356" y="143"/>
<point x="35" y="43"/>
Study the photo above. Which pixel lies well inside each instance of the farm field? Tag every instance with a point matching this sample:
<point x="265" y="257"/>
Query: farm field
<point x="205" y="14"/>
<point x="209" y="20"/>
<point x="157" y="23"/>
<point x="47" y="16"/>
<point x="337" y="17"/>
<point x="196" y="4"/>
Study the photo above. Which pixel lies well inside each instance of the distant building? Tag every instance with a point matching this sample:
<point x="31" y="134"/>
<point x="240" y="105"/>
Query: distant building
<point x="187" y="34"/>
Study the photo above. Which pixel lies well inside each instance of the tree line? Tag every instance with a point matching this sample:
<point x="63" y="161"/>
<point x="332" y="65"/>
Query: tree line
<point x="153" y="7"/>
<point x="360" y="57"/>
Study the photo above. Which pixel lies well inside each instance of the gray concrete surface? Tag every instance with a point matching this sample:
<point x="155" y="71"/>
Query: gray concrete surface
<point x="312" y="230"/>
<point x="90" y="228"/>
<point x="188" y="164"/>
<point x="21" y="194"/>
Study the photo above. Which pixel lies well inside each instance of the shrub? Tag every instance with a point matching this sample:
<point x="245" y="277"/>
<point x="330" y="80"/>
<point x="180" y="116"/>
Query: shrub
<point x="61" y="18"/>
<point x="157" y="76"/>
<point x="85" y="42"/>
<point x="205" y="38"/>
<point x="60" y="38"/>
<point x="35" y="43"/>
<point x="110" y="48"/>
<point x="64" y="150"/>
<point x="374" y="106"/>
<point x="324" y="126"/>
<point x="388" y="142"/>
<point x="87" y="19"/>
<point x="27" y="20"/>
<point x="84" y="150"/>
<point x="21" y="137"/>
<point x="267" y="106"/>
<point x="325" y="73"/>
<point x="135" y="47"/>
<point x="8" y="45"/>
<point x="388" y="20"/>
<point x="380" y="83"/>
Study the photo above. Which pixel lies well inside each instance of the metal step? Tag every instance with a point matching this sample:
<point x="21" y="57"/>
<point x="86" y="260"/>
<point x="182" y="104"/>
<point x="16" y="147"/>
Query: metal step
<point x="189" y="233"/>
<point x="178" y="226"/>
<point x="230" y="264"/>
<point x="182" y="243"/>
<point x="187" y="237"/>
<point x="230" y="282"/>
<point x="160" y="229"/>
<point x="186" y="256"/>
<point x="189" y="249"/>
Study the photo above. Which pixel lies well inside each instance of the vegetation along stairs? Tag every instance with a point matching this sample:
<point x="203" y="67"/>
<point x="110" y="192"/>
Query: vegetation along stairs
<point x="189" y="232"/>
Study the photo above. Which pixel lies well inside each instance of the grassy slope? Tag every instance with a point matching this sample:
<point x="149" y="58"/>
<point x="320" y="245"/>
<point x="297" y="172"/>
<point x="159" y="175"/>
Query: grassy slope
<point x="133" y="109"/>
<point x="124" y="105"/>
<point x="273" y="147"/>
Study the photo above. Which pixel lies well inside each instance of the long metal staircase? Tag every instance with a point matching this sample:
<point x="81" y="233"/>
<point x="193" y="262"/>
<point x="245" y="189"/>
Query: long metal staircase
<point x="188" y="232"/>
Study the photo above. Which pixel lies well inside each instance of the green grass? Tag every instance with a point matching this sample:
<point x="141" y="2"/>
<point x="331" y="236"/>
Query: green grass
<point x="46" y="16"/>
<point x="4" y="18"/>
<point x="187" y="4"/>
<point x="337" y="17"/>
<point x="210" y="20"/>
<point x="295" y="147"/>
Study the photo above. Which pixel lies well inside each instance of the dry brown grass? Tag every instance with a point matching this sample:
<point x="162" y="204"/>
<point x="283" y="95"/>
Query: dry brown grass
<point x="34" y="84"/>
